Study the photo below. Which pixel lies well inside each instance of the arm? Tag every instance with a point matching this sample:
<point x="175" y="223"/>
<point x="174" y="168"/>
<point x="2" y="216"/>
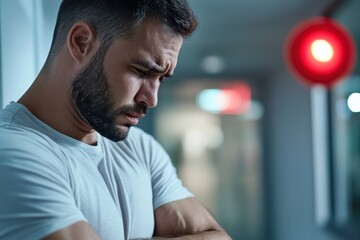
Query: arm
<point x="186" y="219"/>
<point x="79" y="230"/>
<point x="178" y="219"/>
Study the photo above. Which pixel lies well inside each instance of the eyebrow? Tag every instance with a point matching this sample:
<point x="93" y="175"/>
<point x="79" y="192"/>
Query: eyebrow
<point x="152" y="67"/>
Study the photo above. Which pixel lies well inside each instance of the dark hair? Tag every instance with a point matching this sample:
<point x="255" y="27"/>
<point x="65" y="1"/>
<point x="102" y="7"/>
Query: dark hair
<point x="115" y="18"/>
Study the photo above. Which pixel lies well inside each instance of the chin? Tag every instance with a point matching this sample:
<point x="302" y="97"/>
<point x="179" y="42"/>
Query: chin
<point x="122" y="133"/>
<point x="116" y="133"/>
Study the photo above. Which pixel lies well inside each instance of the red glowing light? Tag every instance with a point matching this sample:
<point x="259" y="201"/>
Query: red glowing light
<point x="237" y="98"/>
<point x="310" y="68"/>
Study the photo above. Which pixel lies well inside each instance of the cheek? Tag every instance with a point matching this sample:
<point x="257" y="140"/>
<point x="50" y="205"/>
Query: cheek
<point x="124" y="88"/>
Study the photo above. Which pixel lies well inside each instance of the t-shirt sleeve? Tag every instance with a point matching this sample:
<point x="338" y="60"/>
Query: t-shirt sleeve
<point x="35" y="195"/>
<point x="167" y="186"/>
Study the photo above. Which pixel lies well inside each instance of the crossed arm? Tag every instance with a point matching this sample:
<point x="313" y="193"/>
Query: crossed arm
<point x="186" y="219"/>
<point x="181" y="220"/>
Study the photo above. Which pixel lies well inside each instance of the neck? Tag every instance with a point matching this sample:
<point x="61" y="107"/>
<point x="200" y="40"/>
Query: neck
<point x="49" y="100"/>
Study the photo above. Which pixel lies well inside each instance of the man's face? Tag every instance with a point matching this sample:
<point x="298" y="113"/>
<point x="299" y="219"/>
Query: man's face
<point x="118" y="86"/>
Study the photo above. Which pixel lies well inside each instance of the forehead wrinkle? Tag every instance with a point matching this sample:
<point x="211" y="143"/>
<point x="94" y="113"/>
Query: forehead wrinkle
<point x="169" y="59"/>
<point x="158" y="47"/>
<point x="150" y="66"/>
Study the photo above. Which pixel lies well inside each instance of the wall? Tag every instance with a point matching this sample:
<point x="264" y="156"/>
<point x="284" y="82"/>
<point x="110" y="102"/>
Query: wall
<point x="17" y="48"/>
<point x="288" y="162"/>
<point x="1" y="104"/>
<point x="25" y="39"/>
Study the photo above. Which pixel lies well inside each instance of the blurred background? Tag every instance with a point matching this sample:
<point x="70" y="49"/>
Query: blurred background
<point x="280" y="160"/>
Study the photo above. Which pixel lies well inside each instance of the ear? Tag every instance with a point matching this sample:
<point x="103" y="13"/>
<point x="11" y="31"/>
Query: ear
<point x="82" y="42"/>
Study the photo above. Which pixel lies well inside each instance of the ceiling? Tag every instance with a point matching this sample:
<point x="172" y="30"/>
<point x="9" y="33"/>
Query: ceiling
<point x="249" y="35"/>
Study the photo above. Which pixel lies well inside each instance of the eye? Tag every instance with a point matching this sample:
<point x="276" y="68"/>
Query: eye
<point x="140" y="73"/>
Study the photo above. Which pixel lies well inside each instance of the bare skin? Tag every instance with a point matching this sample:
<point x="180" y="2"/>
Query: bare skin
<point x="134" y="68"/>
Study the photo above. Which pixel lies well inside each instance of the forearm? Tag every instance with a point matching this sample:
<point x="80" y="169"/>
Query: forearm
<point x="208" y="235"/>
<point x="186" y="219"/>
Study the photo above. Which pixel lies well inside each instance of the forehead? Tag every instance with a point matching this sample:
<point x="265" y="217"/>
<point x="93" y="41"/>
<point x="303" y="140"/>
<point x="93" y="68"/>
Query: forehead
<point x="151" y="26"/>
<point x="151" y="41"/>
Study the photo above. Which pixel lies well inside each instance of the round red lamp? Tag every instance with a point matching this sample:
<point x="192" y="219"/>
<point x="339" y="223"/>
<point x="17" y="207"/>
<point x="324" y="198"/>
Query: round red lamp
<point x="320" y="51"/>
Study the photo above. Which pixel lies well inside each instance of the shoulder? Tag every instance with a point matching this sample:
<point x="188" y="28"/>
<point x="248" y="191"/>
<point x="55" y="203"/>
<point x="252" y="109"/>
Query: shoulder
<point x="35" y="184"/>
<point x="21" y="146"/>
<point x="19" y="137"/>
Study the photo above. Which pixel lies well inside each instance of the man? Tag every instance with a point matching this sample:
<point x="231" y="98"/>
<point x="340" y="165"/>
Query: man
<point x="70" y="167"/>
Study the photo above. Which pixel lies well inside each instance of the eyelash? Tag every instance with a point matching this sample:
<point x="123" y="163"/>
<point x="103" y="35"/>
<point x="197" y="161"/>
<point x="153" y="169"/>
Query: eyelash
<point x="140" y="73"/>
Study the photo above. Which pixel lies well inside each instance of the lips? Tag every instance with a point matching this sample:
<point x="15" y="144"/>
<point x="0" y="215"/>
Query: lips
<point x="133" y="118"/>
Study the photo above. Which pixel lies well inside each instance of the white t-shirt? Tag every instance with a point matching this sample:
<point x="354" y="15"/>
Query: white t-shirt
<point x="49" y="181"/>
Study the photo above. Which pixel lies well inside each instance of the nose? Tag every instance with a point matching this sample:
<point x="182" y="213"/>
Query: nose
<point x="148" y="94"/>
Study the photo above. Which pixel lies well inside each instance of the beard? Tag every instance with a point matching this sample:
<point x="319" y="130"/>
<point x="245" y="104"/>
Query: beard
<point x="92" y="99"/>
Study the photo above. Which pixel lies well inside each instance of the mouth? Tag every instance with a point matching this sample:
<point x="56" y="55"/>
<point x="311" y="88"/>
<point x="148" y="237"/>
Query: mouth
<point x="133" y="118"/>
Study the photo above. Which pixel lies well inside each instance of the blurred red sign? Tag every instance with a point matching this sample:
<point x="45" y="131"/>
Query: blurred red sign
<point x="236" y="98"/>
